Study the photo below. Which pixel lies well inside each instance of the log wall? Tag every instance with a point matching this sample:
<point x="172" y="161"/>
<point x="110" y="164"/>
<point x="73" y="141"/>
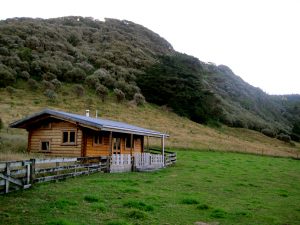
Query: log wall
<point x="104" y="149"/>
<point x="54" y="134"/>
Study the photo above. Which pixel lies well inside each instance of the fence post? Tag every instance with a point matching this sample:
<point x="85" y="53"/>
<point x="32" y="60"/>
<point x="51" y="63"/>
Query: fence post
<point x="32" y="171"/>
<point x="27" y="166"/>
<point x="7" y="174"/>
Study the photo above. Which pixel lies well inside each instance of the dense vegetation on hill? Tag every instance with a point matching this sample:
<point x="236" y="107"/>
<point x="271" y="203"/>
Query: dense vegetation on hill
<point x="129" y="61"/>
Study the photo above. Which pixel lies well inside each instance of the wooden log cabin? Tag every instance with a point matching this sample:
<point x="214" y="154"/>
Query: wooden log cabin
<point x="57" y="133"/>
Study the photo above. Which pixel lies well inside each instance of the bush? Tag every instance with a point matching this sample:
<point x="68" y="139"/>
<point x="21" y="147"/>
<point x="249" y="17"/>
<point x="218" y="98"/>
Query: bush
<point x="56" y="83"/>
<point x="33" y="84"/>
<point x="295" y="137"/>
<point x="268" y="132"/>
<point x="119" y="95"/>
<point x="48" y="76"/>
<point x="139" y="99"/>
<point x="91" y="81"/>
<point x="50" y="94"/>
<point x="10" y="89"/>
<point x="75" y="75"/>
<point x="78" y="90"/>
<point x="47" y="85"/>
<point x="6" y="76"/>
<point x="88" y="68"/>
<point x="101" y="91"/>
<point x="24" y="75"/>
<point x="284" y="137"/>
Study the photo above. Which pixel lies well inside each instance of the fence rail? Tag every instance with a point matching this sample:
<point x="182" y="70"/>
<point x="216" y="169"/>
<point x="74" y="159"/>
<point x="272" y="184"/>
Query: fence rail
<point x="15" y="175"/>
<point x="22" y="174"/>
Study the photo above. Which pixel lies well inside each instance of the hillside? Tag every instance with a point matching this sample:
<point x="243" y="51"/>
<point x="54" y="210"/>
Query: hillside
<point x="121" y="58"/>
<point x="183" y="132"/>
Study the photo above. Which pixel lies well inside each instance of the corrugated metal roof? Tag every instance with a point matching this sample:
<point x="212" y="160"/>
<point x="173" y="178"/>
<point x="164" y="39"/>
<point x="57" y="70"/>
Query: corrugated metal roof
<point x="103" y="124"/>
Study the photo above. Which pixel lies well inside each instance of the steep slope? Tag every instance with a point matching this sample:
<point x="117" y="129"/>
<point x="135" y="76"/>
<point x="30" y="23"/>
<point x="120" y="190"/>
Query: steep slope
<point x="183" y="132"/>
<point x="127" y="59"/>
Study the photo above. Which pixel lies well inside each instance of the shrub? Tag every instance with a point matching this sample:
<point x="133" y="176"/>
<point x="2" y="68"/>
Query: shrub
<point x="10" y="89"/>
<point x="32" y="42"/>
<point x="268" y="132"/>
<point x="295" y="137"/>
<point x="76" y="75"/>
<point x="88" y="68"/>
<point x="119" y="95"/>
<point x="56" y="83"/>
<point x="33" y="84"/>
<point x="4" y="51"/>
<point x="92" y="81"/>
<point x="139" y="99"/>
<point x="78" y="90"/>
<point x="101" y="91"/>
<point x="47" y="85"/>
<point x="284" y="137"/>
<point x="48" y="76"/>
<point x="6" y="76"/>
<point x="50" y="94"/>
<point x="24" y="75"/>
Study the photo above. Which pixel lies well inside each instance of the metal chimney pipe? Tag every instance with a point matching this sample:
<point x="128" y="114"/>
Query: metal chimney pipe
<point x="87" y="113"/>
<point x="96" y="113"/>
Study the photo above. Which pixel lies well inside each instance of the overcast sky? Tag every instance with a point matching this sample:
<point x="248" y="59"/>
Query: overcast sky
<point x="258" y="39"/>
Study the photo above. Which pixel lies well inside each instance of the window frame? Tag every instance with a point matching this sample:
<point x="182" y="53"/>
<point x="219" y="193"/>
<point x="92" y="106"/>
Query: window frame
<point x="41" y="145"/>
<point x="68" y="137"/>
<point x="129" y="139"/>
<point x="99" y="137"/>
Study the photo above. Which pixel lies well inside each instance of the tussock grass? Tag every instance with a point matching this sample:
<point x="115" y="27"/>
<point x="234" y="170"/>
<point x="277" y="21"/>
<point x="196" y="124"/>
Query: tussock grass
<point x="184" y="133"/>
<point x="91" y="198"/>
<point x="189" y="201"/>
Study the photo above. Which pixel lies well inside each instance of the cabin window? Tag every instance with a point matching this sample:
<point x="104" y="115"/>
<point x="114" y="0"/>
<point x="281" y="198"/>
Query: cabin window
<point x="117" y="145"/>
<point x="128" y="142"/>
<point x="45" y="145"/>
<point x="68" y="137"/>
<point x="98" y="139"/>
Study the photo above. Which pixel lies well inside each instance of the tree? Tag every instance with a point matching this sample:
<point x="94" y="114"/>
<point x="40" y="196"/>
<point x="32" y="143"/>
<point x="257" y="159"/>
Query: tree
<point x="176" y="81"/>
<point x="139" y="99"/>
<point x="102" y="91"/>
<point x="75" y="75"/>
<point x="7" y="77"/>
<point x="119" y="94"/>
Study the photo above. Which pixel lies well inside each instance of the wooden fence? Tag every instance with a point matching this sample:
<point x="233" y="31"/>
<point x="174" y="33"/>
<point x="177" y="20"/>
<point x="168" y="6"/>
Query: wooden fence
<point x="15" y="175"/>
<point x="22" y="174"/>
<point x="148" y="161"/>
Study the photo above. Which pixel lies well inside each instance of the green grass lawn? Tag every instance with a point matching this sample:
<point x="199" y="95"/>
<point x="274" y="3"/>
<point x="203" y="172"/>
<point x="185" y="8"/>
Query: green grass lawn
<point x="227" y="188"/>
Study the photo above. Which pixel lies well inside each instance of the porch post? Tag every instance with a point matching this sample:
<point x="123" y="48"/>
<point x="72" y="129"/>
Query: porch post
<point x="131" y="143"/>
<point x="147" y="143"/>
<point x="131" y="148"/>
<point x="110" y="143"/>
<point x="163" y="148"/>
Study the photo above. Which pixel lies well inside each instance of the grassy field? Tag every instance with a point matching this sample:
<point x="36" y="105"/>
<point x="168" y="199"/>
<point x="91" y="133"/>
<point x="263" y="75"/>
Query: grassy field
<point x="183" y="132"/>
<point x="211" y="187"/>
